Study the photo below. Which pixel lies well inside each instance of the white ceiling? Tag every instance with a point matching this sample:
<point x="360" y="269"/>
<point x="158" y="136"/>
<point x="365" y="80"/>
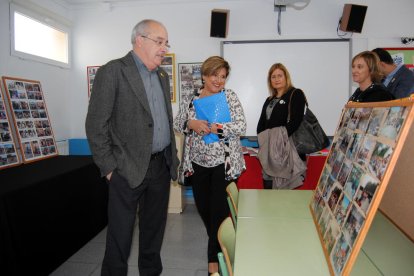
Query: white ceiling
<point x="109" y="3"/>
<point x="85" y="2"/>
<point x="80" y="2"/>
<point x="77" y="2"/>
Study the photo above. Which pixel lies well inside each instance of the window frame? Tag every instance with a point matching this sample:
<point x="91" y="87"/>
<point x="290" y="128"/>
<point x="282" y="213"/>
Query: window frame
<point x="43" y="18"/>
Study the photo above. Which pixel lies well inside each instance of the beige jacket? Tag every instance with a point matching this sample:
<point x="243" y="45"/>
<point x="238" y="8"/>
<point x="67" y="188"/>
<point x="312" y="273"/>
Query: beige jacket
<point x="279" y="158"/>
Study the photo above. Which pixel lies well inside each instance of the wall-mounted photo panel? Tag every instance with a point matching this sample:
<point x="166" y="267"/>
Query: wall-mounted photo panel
<point x="168" y="64"/>
<point x="364" y="153"/>
<point x="91" y="72"/>
<point x="189" y="78"/>
<point x="30" y="117"/>
<point x="8" y="152"/>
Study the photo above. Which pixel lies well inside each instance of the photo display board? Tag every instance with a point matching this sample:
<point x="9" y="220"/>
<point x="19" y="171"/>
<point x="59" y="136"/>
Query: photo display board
<point x="31" y="120"/>
<point x="168" y="64"/>
<point x="91" y="72"/>
<point x="8" y="152"/>
<point x="189" y="78"/>
<point x="364" y="152"/>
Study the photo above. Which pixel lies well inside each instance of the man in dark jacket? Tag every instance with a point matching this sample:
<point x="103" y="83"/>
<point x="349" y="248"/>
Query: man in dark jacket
<point x="130" y="133"/>
<point x="398" y="79"/>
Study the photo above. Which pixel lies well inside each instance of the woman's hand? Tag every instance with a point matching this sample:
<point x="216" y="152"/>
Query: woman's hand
<point x="214" y="128"/>
<point x="199" y="126"/>
<point x="109" y="176"/>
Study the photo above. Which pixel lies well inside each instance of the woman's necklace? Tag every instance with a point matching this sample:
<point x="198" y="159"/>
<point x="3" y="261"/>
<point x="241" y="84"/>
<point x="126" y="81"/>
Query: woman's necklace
<point x="366" y="87"/>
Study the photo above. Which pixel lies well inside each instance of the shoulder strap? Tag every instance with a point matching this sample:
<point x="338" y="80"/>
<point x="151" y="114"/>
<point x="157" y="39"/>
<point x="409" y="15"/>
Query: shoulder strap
<point x="290" y="100"/>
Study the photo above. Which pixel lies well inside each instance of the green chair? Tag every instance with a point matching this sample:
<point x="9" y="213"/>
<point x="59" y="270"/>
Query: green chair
<point x="232" y="211"/>
<point x="227" y="238"/>
<point x="222" y="265"/>
<point x="232" y="199"/>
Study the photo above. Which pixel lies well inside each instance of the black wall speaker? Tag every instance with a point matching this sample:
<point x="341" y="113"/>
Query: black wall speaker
<point x="219" y="23"/>
<point x="353" y="18"/>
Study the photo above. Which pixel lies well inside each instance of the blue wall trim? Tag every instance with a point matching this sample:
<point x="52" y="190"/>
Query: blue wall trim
<point x="79" y="147"/>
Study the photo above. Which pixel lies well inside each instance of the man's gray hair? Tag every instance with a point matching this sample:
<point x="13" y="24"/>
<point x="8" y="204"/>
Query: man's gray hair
<point x="141" y="28"/>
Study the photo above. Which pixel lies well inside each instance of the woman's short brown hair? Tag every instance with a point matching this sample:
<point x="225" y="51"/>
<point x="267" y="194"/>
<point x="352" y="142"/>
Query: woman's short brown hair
<point x="213" y="64"/>
<point x="372" y="60"/>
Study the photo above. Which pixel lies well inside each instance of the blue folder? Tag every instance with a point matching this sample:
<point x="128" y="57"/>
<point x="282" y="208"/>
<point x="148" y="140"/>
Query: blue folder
<point x="213" y="109"/>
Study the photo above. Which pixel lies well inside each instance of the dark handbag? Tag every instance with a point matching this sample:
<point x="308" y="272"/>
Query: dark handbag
<point x="309" y="137"/>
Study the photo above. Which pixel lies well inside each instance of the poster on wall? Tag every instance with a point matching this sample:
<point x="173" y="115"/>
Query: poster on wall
<point x="366" y="145"/>
<point x="8" y="153"/>
<point x="189" y="78"/>
<point x="91" y="72"/>
<point x="30" y="117"/>
<point x="168" y="64"/>
<point x="402" y="56"/>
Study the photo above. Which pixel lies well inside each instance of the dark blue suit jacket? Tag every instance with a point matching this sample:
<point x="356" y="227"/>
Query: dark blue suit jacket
<point x="402" y="84"/>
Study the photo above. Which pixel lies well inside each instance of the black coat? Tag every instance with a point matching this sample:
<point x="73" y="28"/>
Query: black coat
<point x="280" y="112"/>
<point x="374" y="93"/>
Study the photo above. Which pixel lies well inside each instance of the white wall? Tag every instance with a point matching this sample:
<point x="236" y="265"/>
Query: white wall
<point x="102" y="32"/>
<point x="55" y="81"/>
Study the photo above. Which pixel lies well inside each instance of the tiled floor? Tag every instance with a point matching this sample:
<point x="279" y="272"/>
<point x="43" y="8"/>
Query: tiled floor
<point x="184" y="251"/>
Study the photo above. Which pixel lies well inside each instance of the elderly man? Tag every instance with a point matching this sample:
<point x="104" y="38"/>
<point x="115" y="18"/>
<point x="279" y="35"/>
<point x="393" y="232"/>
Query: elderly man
<point x="130" y="133"/>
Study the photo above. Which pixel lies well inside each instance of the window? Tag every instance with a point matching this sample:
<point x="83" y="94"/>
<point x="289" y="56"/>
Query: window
<point x="38" y="37"/>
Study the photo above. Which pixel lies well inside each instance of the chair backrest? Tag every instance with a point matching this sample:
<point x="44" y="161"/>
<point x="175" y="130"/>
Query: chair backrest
<point x="232" y="211"/>
<point x="233" y="193"/>
<point x="227" y="239"/>
<point x="222" y="264"/>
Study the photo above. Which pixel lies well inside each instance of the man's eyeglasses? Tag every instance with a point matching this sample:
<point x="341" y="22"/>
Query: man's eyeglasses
<point x="158" y="42"/>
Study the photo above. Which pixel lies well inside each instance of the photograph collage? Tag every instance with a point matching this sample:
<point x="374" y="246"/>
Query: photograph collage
<point x="91" y="72"/>
<point x="361" y="151"/>
<point x="189" y="78"/>
<point x="8" y="153"/>
<point x="168" y="64"/>
<point x="31" y="119"/>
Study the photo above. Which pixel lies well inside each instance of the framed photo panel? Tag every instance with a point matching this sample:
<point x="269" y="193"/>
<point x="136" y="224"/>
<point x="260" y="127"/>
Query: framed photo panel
<point x="8" y="152"/>
<point x="189" y="78"/>
<point x="168" y="64"/>
<point x="363" y="156"/>
<point x="31" y="120"/>
<point x="91" y="72"/>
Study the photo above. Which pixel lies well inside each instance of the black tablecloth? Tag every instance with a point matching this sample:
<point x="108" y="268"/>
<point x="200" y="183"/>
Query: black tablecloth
<point x="48" y="210"/>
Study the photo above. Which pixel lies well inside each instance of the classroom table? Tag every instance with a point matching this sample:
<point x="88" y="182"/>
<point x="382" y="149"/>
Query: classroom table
<point x="278" y="246"/>
<point x="274" y="203"/>
<point x="276" y="235"/>
<point x="273" y="229"/>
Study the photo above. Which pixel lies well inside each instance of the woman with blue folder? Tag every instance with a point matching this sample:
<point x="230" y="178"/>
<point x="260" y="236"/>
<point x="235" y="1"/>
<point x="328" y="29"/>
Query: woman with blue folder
<point x="212" y="120"/>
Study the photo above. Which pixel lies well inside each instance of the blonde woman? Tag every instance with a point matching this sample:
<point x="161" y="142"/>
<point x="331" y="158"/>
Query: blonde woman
<point x="276" y="107"/>
<point x="366" y="72"/>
